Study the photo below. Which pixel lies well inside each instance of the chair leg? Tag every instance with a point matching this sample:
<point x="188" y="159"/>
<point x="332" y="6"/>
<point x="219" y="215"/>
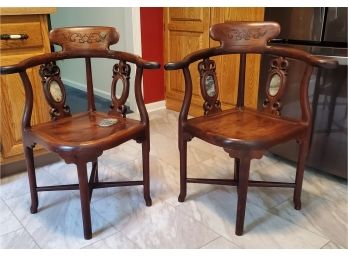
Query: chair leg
<point x="302" y="155"/>
<point x="29" y="156"/>
<point x="96" y="176"/>
<point x="236" y="169"/>
<point x="242" y="189"/>
<point x="146" y="174"/>
<point x="84" y="195"/>
<point x="183" y="170"/>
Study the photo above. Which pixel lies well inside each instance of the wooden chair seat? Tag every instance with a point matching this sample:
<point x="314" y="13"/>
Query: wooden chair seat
<point x="82" y="132"/>
<point x="243" y="129"/>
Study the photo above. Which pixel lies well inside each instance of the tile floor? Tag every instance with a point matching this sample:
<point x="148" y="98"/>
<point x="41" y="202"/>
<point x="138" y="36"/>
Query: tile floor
<point x="120" y="218"/>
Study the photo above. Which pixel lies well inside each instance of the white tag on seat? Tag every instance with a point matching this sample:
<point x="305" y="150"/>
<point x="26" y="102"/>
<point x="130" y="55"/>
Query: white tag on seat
<point x="107" y="122"/>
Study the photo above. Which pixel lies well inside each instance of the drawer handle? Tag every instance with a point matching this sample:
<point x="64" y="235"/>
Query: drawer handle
<point x="14" y="36"/>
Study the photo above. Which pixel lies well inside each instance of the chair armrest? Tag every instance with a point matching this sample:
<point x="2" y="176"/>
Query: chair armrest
<point x="194" y="56"/>
<point x="10" y="69"/>
<point x="150" y="65"/>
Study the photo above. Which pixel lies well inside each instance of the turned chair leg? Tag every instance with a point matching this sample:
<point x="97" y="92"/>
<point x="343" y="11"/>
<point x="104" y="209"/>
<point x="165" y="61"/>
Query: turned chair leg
<point x="236" y="169"/>
<point x="302" y="155"/>
<point x="183" y="169"/>
<point x="146" y="174"/>
<point x="242" y="190"/>
<point x="84" y="195"/>
<point x="29" y="156"/>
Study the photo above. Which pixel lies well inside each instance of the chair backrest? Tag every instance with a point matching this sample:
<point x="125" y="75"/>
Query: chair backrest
<point x="82" y="42"/>
<point x="248" y="38"/>
<point x="79" y="38"/>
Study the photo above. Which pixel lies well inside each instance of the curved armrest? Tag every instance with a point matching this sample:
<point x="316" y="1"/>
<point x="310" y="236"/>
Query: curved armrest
<point x="192" y="57"/>
<point x="55" y="56"/>
<point x="319" y="61"/>
<point x="149" y="65"/>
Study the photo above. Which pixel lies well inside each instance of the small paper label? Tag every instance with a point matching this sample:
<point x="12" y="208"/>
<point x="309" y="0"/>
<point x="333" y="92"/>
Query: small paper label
<point x="107" y="122"/>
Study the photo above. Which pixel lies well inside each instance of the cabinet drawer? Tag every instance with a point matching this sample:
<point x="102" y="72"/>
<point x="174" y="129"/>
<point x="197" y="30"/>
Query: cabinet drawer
<point x="31" y="29"/>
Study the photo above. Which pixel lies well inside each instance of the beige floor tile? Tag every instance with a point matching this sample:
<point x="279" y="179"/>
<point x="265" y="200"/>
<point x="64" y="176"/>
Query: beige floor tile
<point x="220" y="243"/>
<point x="116" y="241"/>
<point x="262" y="229"/>
<point x="321" y="216"/>
<point x="8" y="222"/>
<point x="158" y="226"/>
<point x="19" y="239"/>
<point x="58" y="223"/>
<point x="331" y="245"/>
<point x="18" y="184"/>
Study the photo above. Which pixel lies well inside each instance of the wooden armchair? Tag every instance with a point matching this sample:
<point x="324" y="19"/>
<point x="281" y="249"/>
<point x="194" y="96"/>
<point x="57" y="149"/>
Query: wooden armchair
<point x="245" y="133"/>
<point x="83" y="137"/>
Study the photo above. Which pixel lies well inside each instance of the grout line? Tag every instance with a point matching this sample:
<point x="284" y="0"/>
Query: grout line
<point x="101" y="239"/>
<point x="210" y="241"/>
<point x="20" y="222"/>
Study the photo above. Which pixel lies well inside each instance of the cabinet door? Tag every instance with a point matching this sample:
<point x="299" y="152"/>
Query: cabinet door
<point x="186" y="30"/>
<point x="227" y="67"/>
<point x="12" y="105"/>
<point x="11" y="89"/>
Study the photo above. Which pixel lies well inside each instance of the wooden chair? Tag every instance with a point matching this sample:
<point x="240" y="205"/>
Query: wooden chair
<point x="245" y="133"/>
<point x="82" y="138"/>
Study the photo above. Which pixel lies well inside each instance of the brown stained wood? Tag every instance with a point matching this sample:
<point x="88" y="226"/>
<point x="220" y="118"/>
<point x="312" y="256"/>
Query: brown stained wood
<point x="245" y="133"/>
<point x="121" y="72"/>
<point x="278" y="69"/>
<point x="187" y="30"/>
<point x="89" y="80"/>
<point x="81" y="133"/>
<point x="26" y="10"/>
<point x="54" y="90"/>
<point x="12" y="93"/>
<point x="243" y="129"/>
<point x="80" y="138"/>
<point x="209" y="86"/>
<point x="243" y="34"/>
<point x="77" y="38"/>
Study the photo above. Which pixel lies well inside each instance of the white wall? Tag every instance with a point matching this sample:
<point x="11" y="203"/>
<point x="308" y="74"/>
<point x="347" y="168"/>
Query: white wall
<point x="127" y="22"/>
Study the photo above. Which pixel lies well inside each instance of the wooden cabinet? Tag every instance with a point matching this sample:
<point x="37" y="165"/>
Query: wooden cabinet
<point x="187" y="30"/>
<point x="33" y="23"/>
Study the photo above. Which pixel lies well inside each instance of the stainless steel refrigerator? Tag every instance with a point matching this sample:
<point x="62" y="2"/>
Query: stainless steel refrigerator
<point x="320" y="31"/>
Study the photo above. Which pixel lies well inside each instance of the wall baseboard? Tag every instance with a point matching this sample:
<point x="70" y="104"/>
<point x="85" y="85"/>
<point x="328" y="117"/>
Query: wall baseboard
<point x="155" y="106"/>
<point x="83" y="87"/>
<point x="106" y="95"/>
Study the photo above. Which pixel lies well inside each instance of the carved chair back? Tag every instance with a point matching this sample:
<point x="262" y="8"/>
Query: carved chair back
<point x="247" y="38"/>
<point x="86" y="43"/>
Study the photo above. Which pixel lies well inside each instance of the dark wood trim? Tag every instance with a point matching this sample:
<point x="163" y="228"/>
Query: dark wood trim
<point x="232" y="182"/>
<point x="241" y="81"/>
<point x="89" y="80"/>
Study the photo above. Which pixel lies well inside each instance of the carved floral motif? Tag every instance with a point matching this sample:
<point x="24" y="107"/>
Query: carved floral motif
<point x="86" y="38"/>
<point x="246" y="34"/>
